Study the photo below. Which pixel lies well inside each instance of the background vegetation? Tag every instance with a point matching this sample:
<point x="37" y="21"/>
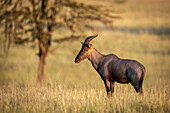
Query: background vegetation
<point x="142" y="34"/>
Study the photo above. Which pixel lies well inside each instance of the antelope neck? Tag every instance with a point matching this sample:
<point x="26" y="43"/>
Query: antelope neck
<point x="95" y="58"/>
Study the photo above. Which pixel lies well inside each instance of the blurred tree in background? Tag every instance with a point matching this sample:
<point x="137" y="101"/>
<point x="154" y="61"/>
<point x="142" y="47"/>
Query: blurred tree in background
<point x="25" y="21"/>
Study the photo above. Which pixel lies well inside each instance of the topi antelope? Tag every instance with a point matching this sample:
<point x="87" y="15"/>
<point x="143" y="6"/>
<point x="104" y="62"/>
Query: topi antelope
<point x="111" y="68"/>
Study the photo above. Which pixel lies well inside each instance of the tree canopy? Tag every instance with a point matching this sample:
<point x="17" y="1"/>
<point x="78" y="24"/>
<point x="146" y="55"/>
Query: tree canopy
<point x="29" y="20"/>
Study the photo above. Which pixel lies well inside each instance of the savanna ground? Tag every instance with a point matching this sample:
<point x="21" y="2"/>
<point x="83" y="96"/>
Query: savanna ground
<point x="142" y="34"/>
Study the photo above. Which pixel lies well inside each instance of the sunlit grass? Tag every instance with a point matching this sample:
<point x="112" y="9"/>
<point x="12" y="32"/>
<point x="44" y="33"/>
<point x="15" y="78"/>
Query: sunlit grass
<point x="74" y="87"/>
<point x="71" y="87"/>
<point x="59" y="98"/>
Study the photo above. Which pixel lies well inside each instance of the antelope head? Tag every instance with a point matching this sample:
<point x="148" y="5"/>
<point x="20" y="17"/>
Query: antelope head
<point x="85" y="49"/>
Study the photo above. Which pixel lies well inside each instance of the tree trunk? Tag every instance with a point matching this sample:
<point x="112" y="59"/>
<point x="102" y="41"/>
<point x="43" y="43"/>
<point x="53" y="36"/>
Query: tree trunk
<point x="41" y="68"/>
<point x="44" y="49"/>
<point x="44" y="38"/>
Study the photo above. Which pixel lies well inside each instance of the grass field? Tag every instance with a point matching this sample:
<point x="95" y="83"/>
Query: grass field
<point x="78" y="88"/>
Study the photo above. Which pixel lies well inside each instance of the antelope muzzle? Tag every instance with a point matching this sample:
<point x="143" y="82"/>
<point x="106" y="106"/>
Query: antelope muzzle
<point x="78" y="57"/>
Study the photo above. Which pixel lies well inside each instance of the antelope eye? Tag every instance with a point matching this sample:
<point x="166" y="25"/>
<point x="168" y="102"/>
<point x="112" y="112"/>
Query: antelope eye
<point x="85" y="48"/>
<point x="87" y="45"/>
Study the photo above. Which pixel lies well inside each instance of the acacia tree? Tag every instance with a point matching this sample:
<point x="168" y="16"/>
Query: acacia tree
<point x="29" y="20"/>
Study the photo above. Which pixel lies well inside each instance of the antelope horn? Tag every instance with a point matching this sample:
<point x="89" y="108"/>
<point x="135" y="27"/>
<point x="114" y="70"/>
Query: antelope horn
<point x="88" y="39"/>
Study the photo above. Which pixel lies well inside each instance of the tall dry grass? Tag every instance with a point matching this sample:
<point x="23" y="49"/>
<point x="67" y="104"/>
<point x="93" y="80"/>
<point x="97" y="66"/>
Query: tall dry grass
<point x="59" y="98"/>
<point x="78" y="88"/>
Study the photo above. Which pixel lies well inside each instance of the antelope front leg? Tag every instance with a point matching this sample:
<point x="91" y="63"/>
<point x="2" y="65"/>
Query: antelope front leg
<point x="106" y="82"/>
<point x="112" y="88"/>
